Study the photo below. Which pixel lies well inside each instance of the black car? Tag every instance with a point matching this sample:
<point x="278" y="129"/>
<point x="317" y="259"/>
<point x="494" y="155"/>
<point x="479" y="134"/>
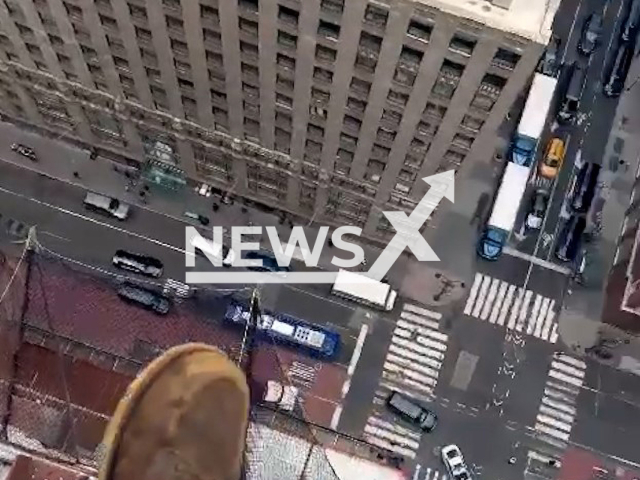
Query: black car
<point x="584" y="188"/>
<point x="539" y="202"/>
<point x="25" y="151"/>
<point x="411" y="411"/>
<point x="618" y="71"/>
<point x="591" y="31"/>
<point x="549" y="61"/>
<point x="630" y="28"/>
<point x="269" y="262"/>
<point x="143" y="264"/>
<point x="570" y="237"/>
<point x="146" y="298"/>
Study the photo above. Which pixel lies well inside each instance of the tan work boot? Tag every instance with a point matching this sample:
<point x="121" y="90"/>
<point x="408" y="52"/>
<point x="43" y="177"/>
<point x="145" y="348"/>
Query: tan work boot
<point x="183" y="418"/>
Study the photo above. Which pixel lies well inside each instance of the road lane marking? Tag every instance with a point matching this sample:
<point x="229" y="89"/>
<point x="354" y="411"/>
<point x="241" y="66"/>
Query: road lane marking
<point x="524" y="310"/>
<point x="49" y="234"/>
<point x="536" y="261"/>
<point x="573" y="25"/>
<point x="355" y="358"/>
<point x="515" y="309"/>
<point x="92" y="220"/>
<point x="534" y="314"/>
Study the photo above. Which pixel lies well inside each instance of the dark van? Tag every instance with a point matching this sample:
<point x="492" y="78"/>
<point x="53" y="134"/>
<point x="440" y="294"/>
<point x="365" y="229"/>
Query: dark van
<point x="619" y="70"/>
<point x="412" y="412"/>
<point x="630" y="27"/>
<point x="584" y="188"/>
<point x="569" y="240"/>
<point x="571" y="100"/>
<point x="145" y="298"/>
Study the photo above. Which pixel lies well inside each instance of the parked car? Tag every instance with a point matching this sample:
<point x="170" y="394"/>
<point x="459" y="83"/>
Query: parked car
<point x="630" y="28"/>
<point x="25" y="151"/>
<point x="591" y="31"/>
<point x="269" y="262"/>
<point x="454" y="462"/>
<point x="584" y="188"/>
<point x="553" y="158"/>
<point x="568" y="243"/>
<point x="142" y="264"/>
<point x="281" y="396"/>
<point x="549" y="61"/>
<point x="106" y="205"/>
<point x="571" y="100"/>
<point x="146" y="298"/>
<point x="411" y="411"/>
<point x="214" y="250"/>
<point x="618" y="72"/>
<point x="539" y="203"/>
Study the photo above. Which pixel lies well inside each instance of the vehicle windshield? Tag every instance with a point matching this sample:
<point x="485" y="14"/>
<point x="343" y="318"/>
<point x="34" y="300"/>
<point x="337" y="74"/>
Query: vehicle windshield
<point x="552" y="162"/>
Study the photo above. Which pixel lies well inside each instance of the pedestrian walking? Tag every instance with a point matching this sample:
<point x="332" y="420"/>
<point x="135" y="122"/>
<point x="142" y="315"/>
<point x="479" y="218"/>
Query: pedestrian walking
<point x="76" y="175"/>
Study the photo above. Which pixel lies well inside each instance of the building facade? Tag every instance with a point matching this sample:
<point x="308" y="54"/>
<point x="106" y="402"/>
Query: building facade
<point x="332" y="110"/>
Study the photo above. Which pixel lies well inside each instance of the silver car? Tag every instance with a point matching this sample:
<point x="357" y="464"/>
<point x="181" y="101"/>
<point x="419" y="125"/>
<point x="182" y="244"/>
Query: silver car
<point x="142" y="264"/>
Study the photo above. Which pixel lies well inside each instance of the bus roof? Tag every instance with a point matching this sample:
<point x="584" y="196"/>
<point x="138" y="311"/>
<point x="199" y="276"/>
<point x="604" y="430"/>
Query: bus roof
<point x="510" y="193"/>
<point x="361" y="286"/>
<point x="537" y="106"/>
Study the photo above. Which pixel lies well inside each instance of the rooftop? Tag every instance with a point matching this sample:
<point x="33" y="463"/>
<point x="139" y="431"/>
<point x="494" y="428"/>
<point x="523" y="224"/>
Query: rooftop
<point x="530" y="19"/>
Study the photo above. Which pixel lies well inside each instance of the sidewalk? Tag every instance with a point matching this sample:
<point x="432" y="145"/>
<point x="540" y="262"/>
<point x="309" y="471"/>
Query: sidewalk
<point x="414" y="279"/>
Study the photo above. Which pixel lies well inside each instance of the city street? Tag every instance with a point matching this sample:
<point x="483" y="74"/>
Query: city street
<point x="587" y="139"/>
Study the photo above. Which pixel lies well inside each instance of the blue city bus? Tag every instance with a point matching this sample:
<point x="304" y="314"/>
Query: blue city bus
<point x="288" y="330"/>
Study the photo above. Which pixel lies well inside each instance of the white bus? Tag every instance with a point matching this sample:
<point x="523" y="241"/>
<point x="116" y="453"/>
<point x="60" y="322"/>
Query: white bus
<point x="363" y="289"/>
<point x="504" y="212"/>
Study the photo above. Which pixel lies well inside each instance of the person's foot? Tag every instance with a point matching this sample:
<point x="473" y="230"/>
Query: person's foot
<point x="184" y="417"/>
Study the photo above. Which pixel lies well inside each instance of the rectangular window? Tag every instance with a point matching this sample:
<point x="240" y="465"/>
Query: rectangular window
<point x="462" y="45"/>
<point x="288" y="16"/>
<point x="328" y="30"/>
<point x="419" y="30"/>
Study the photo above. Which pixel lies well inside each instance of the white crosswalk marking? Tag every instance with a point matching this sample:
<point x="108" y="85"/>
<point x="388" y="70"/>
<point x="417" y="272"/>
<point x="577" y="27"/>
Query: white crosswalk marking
<point x="411" y="367"/>
<point x="427" y="473"/>
<point x="519" y="309"/>
<point x="557" y="411"/>
<point x="496" y="305"/>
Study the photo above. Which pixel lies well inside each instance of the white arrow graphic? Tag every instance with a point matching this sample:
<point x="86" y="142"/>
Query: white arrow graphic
<point x="408" y="227"/>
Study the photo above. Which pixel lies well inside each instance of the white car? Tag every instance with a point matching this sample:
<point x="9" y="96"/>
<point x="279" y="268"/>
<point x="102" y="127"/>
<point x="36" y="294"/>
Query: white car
<point x="454" y="461"/>
<point x="213" y="249"/>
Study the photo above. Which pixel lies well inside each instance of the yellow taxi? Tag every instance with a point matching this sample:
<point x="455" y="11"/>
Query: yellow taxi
<point x="553" y="158"/>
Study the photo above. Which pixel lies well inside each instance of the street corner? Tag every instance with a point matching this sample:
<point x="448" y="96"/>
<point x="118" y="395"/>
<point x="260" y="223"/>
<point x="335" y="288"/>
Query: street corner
<point x="577" y="331"/>
<point x="320" y="384"/>
<point x="431" y="286"/>
<point x="579" y="464"/>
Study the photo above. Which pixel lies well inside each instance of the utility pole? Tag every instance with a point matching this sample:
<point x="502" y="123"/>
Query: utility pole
<point x="252" y="327"/>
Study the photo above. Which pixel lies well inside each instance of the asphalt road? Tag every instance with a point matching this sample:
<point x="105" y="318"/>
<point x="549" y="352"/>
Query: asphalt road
<point x="587" y="139"/>
<point x="609" y="413"/>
